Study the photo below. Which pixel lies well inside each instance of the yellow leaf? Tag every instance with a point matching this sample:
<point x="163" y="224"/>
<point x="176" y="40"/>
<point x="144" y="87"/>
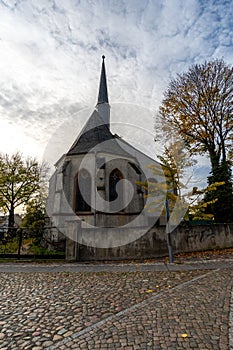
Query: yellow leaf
<point x="184" y="335"/>
<point x="149" y="291"/>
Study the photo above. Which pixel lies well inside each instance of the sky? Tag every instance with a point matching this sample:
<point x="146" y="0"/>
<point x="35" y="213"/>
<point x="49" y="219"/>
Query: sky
<point x="51" y="57"/>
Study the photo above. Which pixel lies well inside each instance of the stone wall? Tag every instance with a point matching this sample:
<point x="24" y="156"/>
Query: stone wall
<point x="200" y="237"/>
<point x="185" y="238"/>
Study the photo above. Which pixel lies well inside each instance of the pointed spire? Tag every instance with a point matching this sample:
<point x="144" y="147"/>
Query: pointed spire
<point x="103" y="91"/>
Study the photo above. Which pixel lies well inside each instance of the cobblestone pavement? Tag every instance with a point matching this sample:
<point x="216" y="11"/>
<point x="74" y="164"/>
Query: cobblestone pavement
<point x="127" y="309"/>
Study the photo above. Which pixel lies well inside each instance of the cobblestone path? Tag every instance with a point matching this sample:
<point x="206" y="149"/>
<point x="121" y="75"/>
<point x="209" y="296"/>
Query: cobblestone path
<point x="115" y="310"/>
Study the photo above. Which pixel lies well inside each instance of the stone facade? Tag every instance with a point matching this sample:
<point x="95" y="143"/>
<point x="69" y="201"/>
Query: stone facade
<point x="96" y="183"/>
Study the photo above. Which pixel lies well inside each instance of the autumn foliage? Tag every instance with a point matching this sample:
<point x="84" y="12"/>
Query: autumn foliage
<point x="198" y="105"/>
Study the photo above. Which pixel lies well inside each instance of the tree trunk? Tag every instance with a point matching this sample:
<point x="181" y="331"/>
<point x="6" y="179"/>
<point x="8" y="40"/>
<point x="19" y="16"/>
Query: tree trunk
<point x="11" y="219"/>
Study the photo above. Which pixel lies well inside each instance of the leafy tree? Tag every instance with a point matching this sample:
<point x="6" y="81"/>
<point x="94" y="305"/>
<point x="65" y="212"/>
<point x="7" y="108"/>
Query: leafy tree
<point x="221" y="201"/>
<point x="166" y="194"/>
<point x="34" y="218"/>
<point x="35" y="213"/>
<point x="193" y="205"/>
<point x="198" y="105"/>
<point x="200" y="200"/>
<point x="189" y="206"/>
<point x="35" y="210"/>
<point x="175" y="160"/>
<point x="20" y="180"/>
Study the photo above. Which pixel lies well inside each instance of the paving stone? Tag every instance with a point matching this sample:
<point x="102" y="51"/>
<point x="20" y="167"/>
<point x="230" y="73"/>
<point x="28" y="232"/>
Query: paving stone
<point x="47" y="343"/>
<point x="62" y="331"/>
<point x="39" y="310"/>
<point x="57" y="337"/>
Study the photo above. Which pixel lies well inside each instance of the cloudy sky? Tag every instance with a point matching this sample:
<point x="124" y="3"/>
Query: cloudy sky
<point x="51" y="56"/>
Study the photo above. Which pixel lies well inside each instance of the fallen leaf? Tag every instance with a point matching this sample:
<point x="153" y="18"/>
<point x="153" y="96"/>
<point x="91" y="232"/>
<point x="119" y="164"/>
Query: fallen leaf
<point x="184" y="335"/>
<point x="149" y="291"/>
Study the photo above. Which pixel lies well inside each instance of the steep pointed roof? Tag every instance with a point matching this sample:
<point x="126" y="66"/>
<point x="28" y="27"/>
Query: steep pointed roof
<point x="94" y="134"/>
<point x="103" y="90"/>
<point x="96" y="131"/>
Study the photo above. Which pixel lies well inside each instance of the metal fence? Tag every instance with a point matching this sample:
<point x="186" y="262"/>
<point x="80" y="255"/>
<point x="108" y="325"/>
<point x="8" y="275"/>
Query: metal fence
<point x="16" y="242"/>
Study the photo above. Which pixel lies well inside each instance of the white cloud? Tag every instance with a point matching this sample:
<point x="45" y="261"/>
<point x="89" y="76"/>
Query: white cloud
<point x="51" y="55"/>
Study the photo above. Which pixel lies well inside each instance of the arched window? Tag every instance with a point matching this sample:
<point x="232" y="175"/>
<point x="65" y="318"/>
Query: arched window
<point x="114" y="191"/>
<point x="83" y="191"/>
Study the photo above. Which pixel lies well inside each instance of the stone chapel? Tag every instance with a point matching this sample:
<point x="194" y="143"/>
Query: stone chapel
<point x="97" y="182"/>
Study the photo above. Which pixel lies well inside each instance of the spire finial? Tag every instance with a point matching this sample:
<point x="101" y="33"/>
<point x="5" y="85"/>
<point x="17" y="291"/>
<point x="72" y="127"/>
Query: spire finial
<point x="103" y="91"/>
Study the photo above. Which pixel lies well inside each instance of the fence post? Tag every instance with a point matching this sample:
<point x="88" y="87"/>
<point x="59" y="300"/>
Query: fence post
<point x="168" y="231"/>
<point x="20" y="233"/>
